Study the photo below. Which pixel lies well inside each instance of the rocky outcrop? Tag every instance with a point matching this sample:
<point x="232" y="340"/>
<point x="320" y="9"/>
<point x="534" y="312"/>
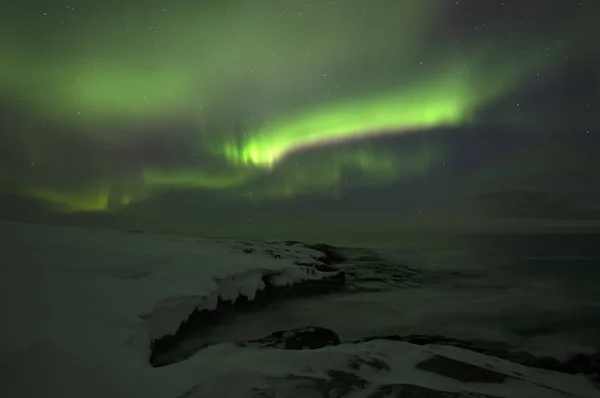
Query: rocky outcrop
<point x="376" y="370"/>
<point x="315" y="337"/>
<point x="587" y="364"/>
<point x="162" y="349"/>
<point x="309" y="338"/>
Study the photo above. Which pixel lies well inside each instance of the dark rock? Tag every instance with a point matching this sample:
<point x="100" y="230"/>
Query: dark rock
<point x="357" y="363"/>
<point x="248" y="250"/>
<point x="580" y="363"/>
<point x="549" y="363"/>
<point x="461" y="371"/>
<point x="424" y="339"/>
<point x="332" y="254"/>
<point x="524" y="358"/>
<point x="312" y="338"/>
<point x="291" y="242"/>
<point x="584" y="364"/>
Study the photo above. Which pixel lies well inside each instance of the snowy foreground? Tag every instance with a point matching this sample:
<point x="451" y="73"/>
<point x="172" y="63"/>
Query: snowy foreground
<point x="80" y="308"/>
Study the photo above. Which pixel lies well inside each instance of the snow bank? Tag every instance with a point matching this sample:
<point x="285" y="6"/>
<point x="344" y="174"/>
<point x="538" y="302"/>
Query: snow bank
<point x="44" y="369"/>
<point x="92" y="296"/>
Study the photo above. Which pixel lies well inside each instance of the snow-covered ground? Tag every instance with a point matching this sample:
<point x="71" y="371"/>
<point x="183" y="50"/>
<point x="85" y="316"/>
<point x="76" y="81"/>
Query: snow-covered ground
<point x="80" y="308"/>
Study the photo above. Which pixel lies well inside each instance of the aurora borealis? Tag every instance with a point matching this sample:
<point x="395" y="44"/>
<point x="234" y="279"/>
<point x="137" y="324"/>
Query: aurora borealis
<point x="109" y="105"/>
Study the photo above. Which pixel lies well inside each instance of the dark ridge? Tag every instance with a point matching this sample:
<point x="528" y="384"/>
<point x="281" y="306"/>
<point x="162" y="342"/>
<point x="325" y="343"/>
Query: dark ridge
<point x="204" y="319"/>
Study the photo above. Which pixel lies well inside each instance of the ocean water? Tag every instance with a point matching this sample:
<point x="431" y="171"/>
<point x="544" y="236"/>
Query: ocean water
<point x="539" y="293"/>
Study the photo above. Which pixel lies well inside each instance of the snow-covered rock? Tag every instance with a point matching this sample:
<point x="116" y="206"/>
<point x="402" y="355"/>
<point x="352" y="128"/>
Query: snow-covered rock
<point x="101" y="297"/>
<point x="374" y="369"/>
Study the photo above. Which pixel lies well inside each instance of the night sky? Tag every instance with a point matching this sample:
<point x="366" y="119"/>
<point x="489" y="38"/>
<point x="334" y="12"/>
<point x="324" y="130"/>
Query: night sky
<point x="318" y="119"/>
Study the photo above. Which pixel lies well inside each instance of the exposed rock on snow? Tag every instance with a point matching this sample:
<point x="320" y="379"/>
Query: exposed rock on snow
<point x="586" y="364"/>
<point x="375" y="369"/>
<point x="461" y="371"/>
<point x="460" y="364"/>
<point x="311" y="337"/>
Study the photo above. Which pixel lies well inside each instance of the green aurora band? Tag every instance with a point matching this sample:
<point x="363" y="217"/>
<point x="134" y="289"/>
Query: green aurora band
<point x="175" y="63"/>
<point x="450" y="97"/>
